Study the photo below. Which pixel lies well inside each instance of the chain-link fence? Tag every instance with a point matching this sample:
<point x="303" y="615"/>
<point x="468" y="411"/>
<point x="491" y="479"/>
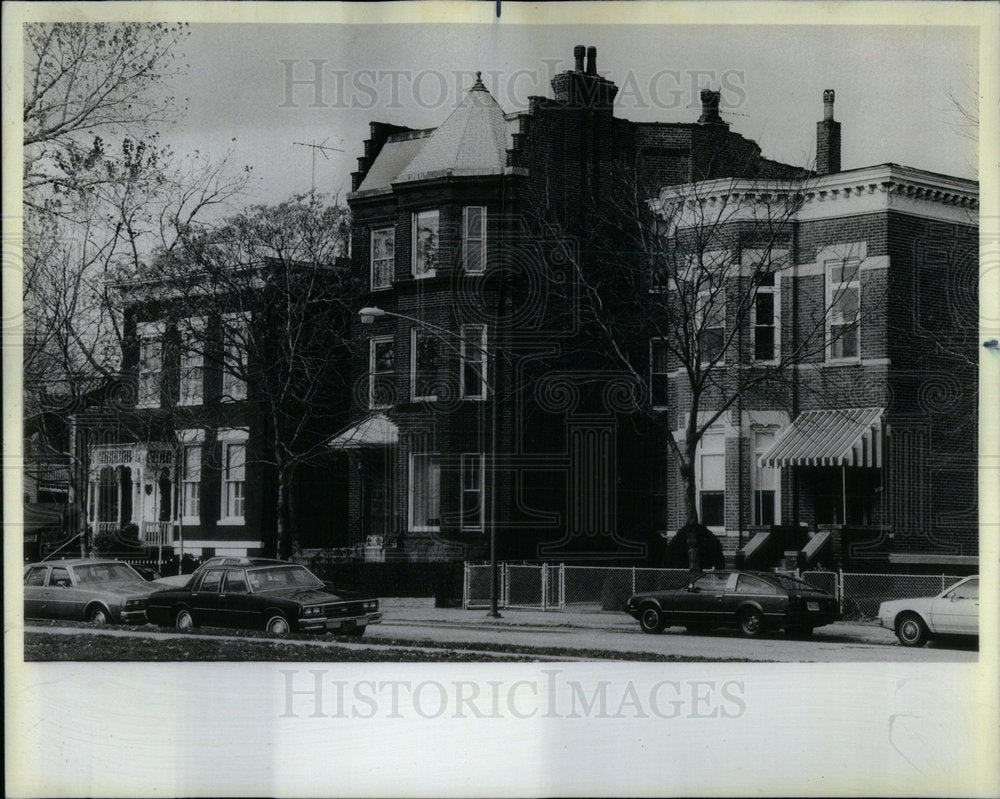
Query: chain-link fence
<point x="861" y="594"/>
<point x="597" y="588"/>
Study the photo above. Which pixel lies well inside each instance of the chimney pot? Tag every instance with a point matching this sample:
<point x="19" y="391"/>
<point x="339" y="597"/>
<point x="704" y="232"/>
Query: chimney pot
<point x="828" y="98"/>
<point x="578" y="52"/>
<point x="591" y="60"/>
<point x="827" y="139"/>
<point x="709" y="107"/>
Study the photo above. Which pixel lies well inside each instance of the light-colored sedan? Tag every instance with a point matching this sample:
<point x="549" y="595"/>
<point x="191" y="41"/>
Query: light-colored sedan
<point x="953" y="612"/>
<point x="98" y="591"/>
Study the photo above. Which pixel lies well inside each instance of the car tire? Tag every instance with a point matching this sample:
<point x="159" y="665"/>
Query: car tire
<point x="651" y="620"/>
<point x="184" y="621"/>
<point x="98" y="614"/>
<point x="277" y="625"/>
<point x="751" y="622"/>
<point x="911" y="630"/>
<point x="357" y="632"/>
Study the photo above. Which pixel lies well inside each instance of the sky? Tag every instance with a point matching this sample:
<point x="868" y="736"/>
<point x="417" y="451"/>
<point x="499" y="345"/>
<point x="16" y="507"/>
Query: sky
<point x="253" y="90"/>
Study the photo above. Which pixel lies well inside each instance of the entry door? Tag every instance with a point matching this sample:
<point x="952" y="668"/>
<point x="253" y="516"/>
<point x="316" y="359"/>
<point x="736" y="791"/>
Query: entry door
<point x="957" y="611"/>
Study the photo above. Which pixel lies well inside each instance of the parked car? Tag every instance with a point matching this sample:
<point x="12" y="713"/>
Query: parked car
<point x="99" y="591"/>
<point x="216" y="560"/>
<point x="263" y="594"/>
<point x="751" y="601"/>
<point x="953" y="612"/>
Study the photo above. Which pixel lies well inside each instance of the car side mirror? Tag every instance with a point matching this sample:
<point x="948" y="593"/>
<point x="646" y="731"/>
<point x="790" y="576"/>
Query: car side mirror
<point x="694" y="589"/>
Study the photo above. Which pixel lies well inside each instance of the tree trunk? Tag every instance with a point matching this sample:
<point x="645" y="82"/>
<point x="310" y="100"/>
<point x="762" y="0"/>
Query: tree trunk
<point x="283" y="543"/>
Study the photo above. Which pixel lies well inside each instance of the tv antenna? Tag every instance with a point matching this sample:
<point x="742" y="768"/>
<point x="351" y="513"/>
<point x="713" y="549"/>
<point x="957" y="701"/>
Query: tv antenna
<point x="322" y="148"/>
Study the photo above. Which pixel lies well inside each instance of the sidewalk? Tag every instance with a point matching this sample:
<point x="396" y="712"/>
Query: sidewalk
<point x="422" y="611"/>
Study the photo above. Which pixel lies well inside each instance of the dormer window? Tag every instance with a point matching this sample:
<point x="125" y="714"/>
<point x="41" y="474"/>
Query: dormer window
<point x="425" y="243"/>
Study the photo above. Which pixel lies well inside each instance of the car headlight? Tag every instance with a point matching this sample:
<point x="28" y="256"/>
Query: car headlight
<point x="133" y="604"/>
<point x="371" y="605"/>
<point x="313" y="611"/>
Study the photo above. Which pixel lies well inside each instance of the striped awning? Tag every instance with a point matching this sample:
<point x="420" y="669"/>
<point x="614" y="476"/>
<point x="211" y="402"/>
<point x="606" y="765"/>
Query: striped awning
<point x="845" y="437"/>
<point x="375" y="431"/>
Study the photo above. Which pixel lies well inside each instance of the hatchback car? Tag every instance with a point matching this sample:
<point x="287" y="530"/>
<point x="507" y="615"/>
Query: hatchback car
<point x="752" y="602"/>
<point x="953" y="612"/>
<point x="257" y="593"/>
<point x="99" y="591"/>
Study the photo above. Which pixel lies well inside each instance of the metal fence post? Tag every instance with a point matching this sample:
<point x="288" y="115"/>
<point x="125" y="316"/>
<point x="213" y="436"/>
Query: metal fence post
<point x="545" y="584"/>
<point x="633" y="580"/>
<point x="840" y="590"/>
<point x="465" y="585"/>
<point x="562" y="586"/>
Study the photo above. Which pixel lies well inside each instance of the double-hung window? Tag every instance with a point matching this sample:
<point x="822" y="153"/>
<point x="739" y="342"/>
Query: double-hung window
<point x="150" y="364"/>
<point x="235" y="329"/>
<point x="711" y="322"/>
<point x="192" y="361"/>
<point x="766" y="314"/>
<point x="473" y="375"/>
<point x="383" y="257"/>
<point x="658" y="369"/>
<point x="425" y="243"/>
<point x="472" y="491"/>
<point x="425" y="492"/>
<point x="424" y="362"/>
<point x="381" y="372"/>
<point x="234" y="459"/>
<point x="474" y="239"/>
<point x="192" y="484"/>
<point x="844" y="303"/>
<point x="766" y="485"/>
<point x="710" y="473"/>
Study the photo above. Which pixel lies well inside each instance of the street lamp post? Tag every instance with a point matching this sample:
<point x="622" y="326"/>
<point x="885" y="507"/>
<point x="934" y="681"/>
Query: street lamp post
<point x="368" y="316"/>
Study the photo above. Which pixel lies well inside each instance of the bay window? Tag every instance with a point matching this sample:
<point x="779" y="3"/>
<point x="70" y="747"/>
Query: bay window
<point x="425" y="243"/>
<point x="424" y="357"/>
<point x="474" y="239"/>
<point x="473" y="375"/>
<point x="381" y="372"/>
<point x="383" y="257"/>
<point x="766" y="309"/>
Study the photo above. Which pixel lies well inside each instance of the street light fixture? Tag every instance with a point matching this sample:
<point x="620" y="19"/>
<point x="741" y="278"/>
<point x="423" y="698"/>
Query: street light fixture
<point x="368" y="315"/>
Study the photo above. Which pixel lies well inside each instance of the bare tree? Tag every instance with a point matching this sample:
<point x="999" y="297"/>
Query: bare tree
<point x="673" y="290"/>
<point x="276" y="278"/>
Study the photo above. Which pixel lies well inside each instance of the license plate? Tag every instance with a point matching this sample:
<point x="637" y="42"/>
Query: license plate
<point x="813" y="605"/>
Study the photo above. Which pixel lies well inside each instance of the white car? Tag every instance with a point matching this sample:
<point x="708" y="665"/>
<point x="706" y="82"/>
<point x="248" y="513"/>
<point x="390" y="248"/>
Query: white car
<point x="955" y="611"/>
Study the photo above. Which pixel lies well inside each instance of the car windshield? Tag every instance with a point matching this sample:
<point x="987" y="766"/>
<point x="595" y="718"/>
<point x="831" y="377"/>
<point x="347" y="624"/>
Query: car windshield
<point x="106" y="573"/>
<point x="275" y="577"/>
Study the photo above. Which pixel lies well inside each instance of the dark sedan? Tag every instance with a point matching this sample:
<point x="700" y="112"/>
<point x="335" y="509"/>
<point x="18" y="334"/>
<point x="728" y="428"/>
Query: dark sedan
<point x="752" y="602"/>
<point x="262" y="594"/>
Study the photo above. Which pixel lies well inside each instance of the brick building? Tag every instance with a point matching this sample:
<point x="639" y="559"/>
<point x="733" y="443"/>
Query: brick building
<point x="864" y="454"/>
<point x="181" y="450"/>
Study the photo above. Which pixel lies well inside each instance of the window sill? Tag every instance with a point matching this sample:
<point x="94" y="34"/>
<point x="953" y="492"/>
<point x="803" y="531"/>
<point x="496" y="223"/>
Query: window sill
<point x="190" y="403"/>
<point x="191" y="521"/>
<point x="232" y="522"/>
<point x="425" y="529"/>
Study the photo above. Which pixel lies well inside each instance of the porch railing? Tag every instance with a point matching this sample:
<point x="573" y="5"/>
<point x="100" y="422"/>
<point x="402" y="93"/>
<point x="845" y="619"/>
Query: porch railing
<point x="156" y="533"/>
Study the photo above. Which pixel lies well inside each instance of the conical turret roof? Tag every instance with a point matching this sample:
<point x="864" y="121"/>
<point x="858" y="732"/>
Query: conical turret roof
<point x="471" y="141"/>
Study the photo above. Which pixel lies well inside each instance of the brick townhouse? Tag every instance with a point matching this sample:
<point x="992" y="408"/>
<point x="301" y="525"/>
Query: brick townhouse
<point x="474" y="414"/>
<point x="179" y="446"/>
<point x="866" y="455"/>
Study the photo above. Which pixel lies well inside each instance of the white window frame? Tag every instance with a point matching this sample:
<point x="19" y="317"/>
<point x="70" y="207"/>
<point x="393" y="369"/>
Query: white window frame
<point x="666" y="375"/>
<point x="372" y="374"/>
<point x="390" y="260"/>
<point x="472" y="352"/>
<point x="191" y="485"/>
<point x="833" y="293"/>
<point x="718" y="448"/>
<point x="470" y="242"/>
<point x="757" y="471"/>
<point x="775" y="292"/>
<point x="479" y="467"/>
<point x="415" y="335"/>
<point x="192" y="361"/>
<point x="234" y="386"/>
<point x="433" y="458"/>
<point x="229" y="438"/>
<point x="150" y="334"/>
<point x="414" y="237"/>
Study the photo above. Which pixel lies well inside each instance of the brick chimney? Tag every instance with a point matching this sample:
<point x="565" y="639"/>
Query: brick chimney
<point x="582" y="87"/>
<point x="710" y="108"/>
<point x="827" y="138"/>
